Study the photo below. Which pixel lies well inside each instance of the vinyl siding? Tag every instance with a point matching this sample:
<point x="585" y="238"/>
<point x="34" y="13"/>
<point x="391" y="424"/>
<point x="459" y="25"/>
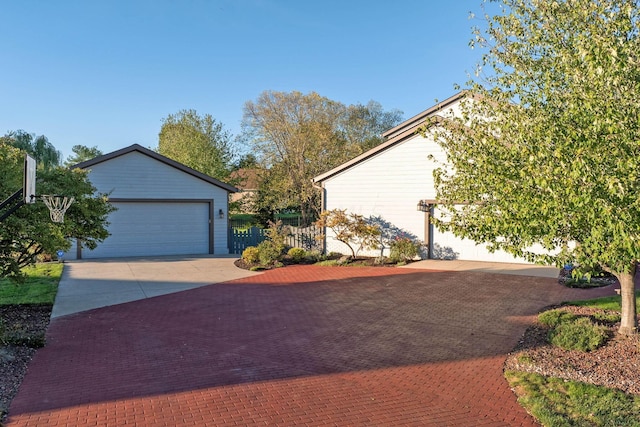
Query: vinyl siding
<point x="135" y="175"/>
<point x="388" y="185"/>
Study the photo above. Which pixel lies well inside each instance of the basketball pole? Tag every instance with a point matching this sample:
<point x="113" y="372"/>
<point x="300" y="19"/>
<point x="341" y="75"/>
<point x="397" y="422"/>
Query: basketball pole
<point x="15" y="196"/>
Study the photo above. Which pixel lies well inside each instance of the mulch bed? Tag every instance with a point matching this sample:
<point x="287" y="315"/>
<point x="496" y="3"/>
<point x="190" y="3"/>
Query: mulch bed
<point x="22" y="328"/>
<point x="357" y="262"/>
<point x="605" y="279"/>
<point x="614" y="365"/>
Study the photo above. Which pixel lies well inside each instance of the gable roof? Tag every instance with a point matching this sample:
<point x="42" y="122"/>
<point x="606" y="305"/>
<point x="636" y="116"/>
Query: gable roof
<point x="167" y="161"/>
<point x="395" y="135"/>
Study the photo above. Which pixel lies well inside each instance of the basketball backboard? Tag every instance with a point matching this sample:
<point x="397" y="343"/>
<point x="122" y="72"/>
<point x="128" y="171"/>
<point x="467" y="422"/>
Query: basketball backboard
<point x="29" y="180"/>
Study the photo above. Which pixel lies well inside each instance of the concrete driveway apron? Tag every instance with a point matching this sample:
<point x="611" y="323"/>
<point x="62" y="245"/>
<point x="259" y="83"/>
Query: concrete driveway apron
<point x="90" y="284"/>
<point x="302" y="345"/>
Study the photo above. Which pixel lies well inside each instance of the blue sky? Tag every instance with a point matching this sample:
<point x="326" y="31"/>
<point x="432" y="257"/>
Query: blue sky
<point x="106" y="72"/>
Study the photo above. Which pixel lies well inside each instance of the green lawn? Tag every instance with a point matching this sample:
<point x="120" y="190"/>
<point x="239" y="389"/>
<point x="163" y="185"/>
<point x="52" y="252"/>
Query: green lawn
<point x="40" y="286"/>
<point x="605" y="303"/>
<point x="556" y="402"/>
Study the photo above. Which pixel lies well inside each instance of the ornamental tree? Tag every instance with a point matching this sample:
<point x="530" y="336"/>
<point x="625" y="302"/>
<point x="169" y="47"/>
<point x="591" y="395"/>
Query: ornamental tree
<point x="351" y="229"/>
<point x="546" y="153"/>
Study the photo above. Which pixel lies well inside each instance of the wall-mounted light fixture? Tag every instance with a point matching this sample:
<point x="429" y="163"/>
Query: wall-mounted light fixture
<point x="220" y="214"/>
<point x="423" y="206"/>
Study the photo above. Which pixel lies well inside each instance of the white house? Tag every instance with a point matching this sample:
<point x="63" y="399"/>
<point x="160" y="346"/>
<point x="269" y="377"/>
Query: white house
<point x="388" y="183"/>
<point x="163" y="207"/>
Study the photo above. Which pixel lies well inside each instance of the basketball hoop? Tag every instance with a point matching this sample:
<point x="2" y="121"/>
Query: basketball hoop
<point x="57" y="205"/>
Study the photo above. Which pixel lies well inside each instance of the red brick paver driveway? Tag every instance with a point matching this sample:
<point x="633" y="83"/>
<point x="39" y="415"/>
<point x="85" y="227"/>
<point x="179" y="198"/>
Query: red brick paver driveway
<point x="295" y="346"/>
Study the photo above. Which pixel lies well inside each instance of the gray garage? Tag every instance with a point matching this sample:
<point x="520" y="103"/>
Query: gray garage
<point x="163" y="207"/>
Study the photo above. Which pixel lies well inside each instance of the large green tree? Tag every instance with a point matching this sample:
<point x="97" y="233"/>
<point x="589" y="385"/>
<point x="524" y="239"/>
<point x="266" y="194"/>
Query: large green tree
<point x="29" y="232"/>
<point x="297" y="136"/>
<point x="39" y="147"/>
<point x="364" y="125"/>
<point x="82" y="153"/>
<point x="199" y="142"/>
<point x="547" y="151"/>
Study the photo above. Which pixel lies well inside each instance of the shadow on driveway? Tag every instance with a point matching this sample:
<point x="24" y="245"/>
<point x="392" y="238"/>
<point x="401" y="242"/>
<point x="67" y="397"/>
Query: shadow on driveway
<point x="305" y="344"/>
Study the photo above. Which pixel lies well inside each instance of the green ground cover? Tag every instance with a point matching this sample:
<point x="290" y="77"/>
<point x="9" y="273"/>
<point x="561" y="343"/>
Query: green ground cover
<point x="557" y="402"/>
<point x="604" y="303"/>
<point x="40" y="286"/>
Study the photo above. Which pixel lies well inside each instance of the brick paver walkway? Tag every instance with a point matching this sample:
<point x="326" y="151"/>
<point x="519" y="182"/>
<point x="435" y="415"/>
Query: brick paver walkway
<point x="296" y="346"/>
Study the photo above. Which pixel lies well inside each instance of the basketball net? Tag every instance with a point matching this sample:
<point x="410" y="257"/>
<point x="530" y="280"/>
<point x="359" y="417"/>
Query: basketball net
<point x="57" y="205"/>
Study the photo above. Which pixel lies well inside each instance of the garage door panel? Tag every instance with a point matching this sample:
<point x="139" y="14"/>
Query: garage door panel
<point x="150" y="229"/>
<point x="445" y="245"/>
<point x="448" y="246"/>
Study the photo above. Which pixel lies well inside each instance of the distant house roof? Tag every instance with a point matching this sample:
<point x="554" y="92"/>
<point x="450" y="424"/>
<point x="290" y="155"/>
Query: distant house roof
<point x="167" y="161"/>
<point x="246" y="179"/>
<point x="394" y="136"/>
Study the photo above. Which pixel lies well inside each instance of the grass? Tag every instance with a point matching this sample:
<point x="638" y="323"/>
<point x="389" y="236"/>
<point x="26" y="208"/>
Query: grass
<point x="604" y="303"/>
<point x="555" y="402"/>
<point x="40" y="286"/>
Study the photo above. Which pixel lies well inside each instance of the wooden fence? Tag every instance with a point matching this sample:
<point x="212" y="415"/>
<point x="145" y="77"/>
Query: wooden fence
<point x="297" y="237"/>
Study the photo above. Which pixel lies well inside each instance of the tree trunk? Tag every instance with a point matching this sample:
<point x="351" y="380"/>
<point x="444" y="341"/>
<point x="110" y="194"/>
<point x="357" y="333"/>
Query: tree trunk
<point x="629" y="323"/>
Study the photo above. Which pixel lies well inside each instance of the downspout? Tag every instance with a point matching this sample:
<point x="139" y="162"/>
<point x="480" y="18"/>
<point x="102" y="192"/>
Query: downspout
<point x="428" y="233"/>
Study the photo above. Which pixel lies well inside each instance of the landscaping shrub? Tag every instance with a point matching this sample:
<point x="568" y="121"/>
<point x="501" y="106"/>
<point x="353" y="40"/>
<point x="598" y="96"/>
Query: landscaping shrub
<point x="251" y="255"/>
<point x="578" y="334"/>
<point x="268" y="252"/>
<point x="381" y="260"/>
<point x="315" y="256"/>
<point x="403" y="249"/>
<point x="553" y="318"/>
<point x="607" y="317"/>
<point x="297" y="254"/>
<point x="277" y="234"/>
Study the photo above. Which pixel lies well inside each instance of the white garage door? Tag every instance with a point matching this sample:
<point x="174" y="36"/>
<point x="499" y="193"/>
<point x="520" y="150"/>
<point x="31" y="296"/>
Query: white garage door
<point x="150" y="229"/>
<point x="447" y="246"/>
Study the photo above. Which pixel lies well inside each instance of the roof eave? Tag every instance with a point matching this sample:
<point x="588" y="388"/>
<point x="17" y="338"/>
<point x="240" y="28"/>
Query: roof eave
<point x="417" y="120"/>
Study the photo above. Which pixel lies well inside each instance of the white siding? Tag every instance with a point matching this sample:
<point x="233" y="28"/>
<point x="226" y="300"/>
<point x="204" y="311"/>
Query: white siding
<point x="390" y="185"/>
